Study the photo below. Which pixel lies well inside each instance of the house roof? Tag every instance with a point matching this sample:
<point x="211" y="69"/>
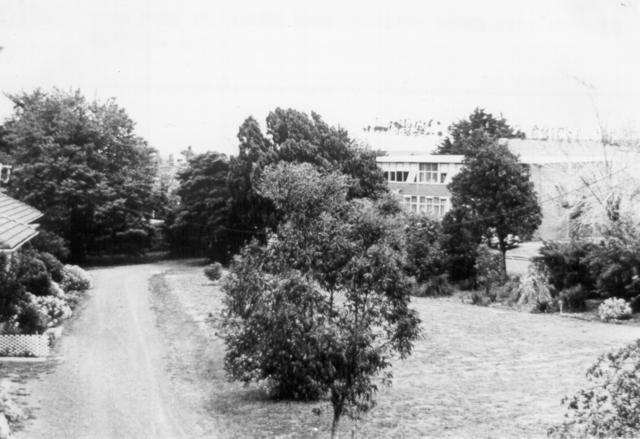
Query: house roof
<point x="17" y="210"/>
<point x="13" y="234"/>
<point x="15" y="219"/>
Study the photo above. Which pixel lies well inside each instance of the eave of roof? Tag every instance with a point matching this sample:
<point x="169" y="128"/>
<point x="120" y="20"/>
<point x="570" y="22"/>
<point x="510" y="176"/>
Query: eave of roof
<point x="17" y="210"/>
<point x="14" y="234"/>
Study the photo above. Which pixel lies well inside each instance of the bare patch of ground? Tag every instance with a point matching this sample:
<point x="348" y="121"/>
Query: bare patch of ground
<point x="477" y="372"/>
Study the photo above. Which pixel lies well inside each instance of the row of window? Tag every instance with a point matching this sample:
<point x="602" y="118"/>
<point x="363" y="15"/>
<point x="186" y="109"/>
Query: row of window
<point x="427" y="173"/>
<point x="433" y="206"/>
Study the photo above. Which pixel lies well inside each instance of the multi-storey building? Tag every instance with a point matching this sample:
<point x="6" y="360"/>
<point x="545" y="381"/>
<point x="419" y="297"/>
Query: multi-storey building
<point x="560" y="172"/>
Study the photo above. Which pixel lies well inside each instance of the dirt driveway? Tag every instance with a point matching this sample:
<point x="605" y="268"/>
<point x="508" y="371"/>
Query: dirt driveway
<point x="109" y="380"/>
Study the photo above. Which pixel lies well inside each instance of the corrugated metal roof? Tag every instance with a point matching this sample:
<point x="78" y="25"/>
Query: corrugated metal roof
<point x="14" y="233"/>
<point x="15" y="217"/>
<point x="17" y="210"/>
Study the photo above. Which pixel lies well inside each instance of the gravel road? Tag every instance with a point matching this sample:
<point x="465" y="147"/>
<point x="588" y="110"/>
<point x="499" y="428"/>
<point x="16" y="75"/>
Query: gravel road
<point x="109" y="380"/>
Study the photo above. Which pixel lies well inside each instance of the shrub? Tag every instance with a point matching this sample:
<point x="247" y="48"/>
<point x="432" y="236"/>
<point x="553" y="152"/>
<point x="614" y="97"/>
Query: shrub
<point x="534" y="291"/>
<point x="488" y="269"/>
<point x="33" y="274"/>
<point x="11" y="289"/>
<point x="635" y="304"/>
<point x="31" y="320"/>
<point x="54" y="266"/>
<point x="12" y="411"/>
<point x="610" y="405"/>
<point x="132" y="241"/>
<point x="613" y="309"/>
<point x="509" y="291"/>
<point x="566" y="264"/>
<point x="51" y="243"/>
<point x="425" y="256"/>
<point x="75" y="278"/>
<point x="616" y="263"/>
<point x="574" y="298"/>
<point x="435" y="286"/>
<point x="54" y="308"/>
<point x="213" y="271"/>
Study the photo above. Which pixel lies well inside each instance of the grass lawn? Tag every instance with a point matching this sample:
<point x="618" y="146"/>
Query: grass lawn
<point x="476" y="372"/>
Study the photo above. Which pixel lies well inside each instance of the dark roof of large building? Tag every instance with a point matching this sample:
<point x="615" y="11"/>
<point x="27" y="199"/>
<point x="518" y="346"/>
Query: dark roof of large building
<point x="15" y="219"/>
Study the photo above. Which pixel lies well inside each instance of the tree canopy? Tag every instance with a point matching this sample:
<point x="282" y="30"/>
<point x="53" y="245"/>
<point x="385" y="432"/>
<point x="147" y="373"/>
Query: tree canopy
<point x="496" y="194"/>
<point x="323" y="306"/>
<point x="479" y="130"/>
<point x="201" y="217"/>
<point x="82" y="164"/>
<point x="290" y="136"/>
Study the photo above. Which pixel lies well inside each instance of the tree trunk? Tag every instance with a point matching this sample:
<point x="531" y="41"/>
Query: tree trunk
<point x="503" y="251"/>
<point x="337" y="412"/>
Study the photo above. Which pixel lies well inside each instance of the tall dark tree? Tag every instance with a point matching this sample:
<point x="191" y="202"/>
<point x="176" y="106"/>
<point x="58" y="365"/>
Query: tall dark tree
<point x="199" y="226"/>
<point x="292" y="136"/>
<point x="479" y="130"/>
<point x="82" y="164"/>
<point x="495" y="192"/>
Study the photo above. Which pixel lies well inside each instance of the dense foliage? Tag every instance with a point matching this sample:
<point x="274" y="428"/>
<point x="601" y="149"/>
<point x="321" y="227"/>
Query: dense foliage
<point x="199" y="225"/>
<point x="229" y="212"/>
<point x="566" y="264"/>
<point x="609" y="268"/>
<point x="480" y="130"/>
<point x="81" y="164"/>
<point x="495" y="192"/>
<point x="610" y="405"/>
<point x="323" y="306"/>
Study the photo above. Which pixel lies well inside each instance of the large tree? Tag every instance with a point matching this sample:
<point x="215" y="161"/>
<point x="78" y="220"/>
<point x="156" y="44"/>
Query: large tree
<point x="495" y="193"/>
<point x="201" y="218"/>
<point x="479" y="130"/>
<point x="323" y="306"/>
<point x="82" y="164"/>
<point x="291" y="136"/>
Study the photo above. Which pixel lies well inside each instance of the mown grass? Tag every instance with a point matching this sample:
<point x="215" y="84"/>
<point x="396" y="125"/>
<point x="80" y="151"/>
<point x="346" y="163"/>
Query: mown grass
<point x="476" y="372"/>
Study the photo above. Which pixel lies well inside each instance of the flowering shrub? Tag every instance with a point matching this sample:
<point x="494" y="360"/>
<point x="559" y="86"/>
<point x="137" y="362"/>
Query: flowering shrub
<point x="613" y="308"/>
<point x="54" y="308"/>
<point x="213" y="271"/>
<point x="610" y="405"/>
<point x="75" y="278"/>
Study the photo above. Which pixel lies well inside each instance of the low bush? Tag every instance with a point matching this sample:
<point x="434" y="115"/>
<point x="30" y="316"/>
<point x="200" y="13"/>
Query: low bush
<point x="635" y="304"/>
<point x="566" y="264"/>
<point x="488" y="269"/>
<point x="574" y="299"/>
<point x="54" y="266"/>
<point x="425" y="258"/>
<point x="54" y="308"/>
<point x="614" y="309"/>
<point x="33" y="274"/>
<point x="610" y="405"/>
<point x="615" y="263"/>
<point x="213" y="271"/>
<point x="435" y="286"/>
<point x="509" y="291"/>
<point x="31" y="320"/>
<point x="534" y="292"/>
<point x="51" y="243"/>
<point x="75" y="278"/>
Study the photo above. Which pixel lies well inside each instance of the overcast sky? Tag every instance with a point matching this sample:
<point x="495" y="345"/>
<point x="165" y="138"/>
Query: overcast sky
<point x="189" y="72"/>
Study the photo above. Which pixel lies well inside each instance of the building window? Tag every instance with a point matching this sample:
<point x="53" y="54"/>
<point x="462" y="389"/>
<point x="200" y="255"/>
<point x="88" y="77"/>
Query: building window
<point x="430" y="206"/>
<point x="395" y="172"/>
<point x="428" y="173"/>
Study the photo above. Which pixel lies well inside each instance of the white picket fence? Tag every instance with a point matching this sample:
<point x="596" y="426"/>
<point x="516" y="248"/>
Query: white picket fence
<point x="20" y="345"/>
